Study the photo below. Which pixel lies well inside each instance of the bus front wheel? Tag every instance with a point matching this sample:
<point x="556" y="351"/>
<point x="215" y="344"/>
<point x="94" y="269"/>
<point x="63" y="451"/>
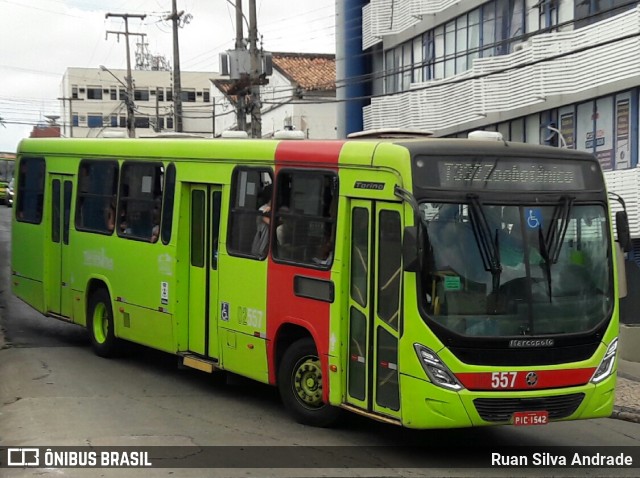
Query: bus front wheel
<point x="300" y="386"/>
<point x="100" y="324"/>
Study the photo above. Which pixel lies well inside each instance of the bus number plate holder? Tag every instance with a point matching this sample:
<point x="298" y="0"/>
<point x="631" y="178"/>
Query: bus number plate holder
<point x="540" y="417"/>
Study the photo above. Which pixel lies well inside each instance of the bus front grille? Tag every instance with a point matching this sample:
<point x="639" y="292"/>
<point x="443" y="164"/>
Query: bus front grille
<point x="501" y="409"/>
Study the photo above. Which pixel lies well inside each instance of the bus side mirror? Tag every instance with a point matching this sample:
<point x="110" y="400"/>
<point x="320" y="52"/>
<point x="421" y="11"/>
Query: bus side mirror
<point x="410" y="249"/>
<point x="622" y="231"/>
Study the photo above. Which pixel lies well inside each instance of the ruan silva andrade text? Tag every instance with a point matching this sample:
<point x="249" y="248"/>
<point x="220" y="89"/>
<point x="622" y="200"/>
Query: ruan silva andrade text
<point x="549" y="459"/>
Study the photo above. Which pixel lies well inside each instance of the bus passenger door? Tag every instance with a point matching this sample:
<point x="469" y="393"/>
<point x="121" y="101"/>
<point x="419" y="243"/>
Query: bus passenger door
<point x="58" y="278"/>
<point x="204" y="225"/>
<point x="374" y="306"/>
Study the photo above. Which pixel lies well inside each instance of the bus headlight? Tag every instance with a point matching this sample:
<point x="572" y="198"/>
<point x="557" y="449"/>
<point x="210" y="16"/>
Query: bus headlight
<point x="436" y="370"/>
<point x="606" y="366"/>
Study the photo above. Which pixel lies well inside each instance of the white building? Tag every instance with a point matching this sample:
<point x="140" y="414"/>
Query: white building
<point x="95" y="102"/>
<point x="557" y="72"/>
<point x="300" y="95"/>
<point x="525" y="68"/>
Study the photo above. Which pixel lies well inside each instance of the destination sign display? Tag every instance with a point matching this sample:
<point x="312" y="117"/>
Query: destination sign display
<point x="506" y="174"/>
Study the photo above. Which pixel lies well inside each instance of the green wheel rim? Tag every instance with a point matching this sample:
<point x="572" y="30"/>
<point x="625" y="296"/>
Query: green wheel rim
<point x="307" y="382"/>
<point x="100" y="323"/>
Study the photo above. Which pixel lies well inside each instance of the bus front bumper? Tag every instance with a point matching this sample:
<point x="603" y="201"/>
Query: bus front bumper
<point x="425" y="405"/>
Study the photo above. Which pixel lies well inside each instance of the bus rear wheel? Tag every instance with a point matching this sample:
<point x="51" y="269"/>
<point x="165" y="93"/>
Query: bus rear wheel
<point x="300" y="386"/>
<point x="100" y="324"/>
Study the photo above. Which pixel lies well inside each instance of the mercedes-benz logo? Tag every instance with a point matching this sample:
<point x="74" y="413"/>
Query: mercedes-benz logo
<point x="532" y="379"/>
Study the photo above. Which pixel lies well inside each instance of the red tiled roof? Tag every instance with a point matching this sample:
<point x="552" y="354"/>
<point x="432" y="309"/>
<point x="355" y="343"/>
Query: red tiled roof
<point x="310" y="71"/>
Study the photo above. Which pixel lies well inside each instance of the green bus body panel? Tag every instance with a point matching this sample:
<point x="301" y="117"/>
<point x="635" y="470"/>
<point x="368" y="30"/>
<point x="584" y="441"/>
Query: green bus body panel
<point x="154" y="291"/>
<point x="27" y="260"/>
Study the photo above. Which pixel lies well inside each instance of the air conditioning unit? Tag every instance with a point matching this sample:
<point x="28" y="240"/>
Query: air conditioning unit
<point x="518" y="46"/>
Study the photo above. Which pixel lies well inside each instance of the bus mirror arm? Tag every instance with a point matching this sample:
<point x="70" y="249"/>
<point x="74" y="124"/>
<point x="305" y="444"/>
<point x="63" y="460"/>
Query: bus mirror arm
<point x="622" y="230"/>
<point x="410" y="240"/>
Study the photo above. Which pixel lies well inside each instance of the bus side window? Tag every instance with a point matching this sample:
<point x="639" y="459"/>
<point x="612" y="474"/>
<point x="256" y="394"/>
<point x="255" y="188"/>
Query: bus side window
<point x="306" y="204"/>
<point x="30" y="190"/>
<point x="167" y="204"/>
<point x="248" y="215"/>
<point x="97" y="186"/>
<point x="140" y="201"/>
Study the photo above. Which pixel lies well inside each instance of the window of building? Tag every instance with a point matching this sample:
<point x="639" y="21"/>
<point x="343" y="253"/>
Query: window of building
<point x="75" y="119"/>
<point x="74" y="92"/>
<point x="407" y="51"/>
<point x="141" y="94"/>
<point x="113" y="94"/>
<point x="94" y="93"/>
<point x="428" y="55"/>
<point x="114" y="121"/>
<point x="30" y="190"/>
<point x="450" y="48"/>
<point x="389" y="74"/>
<point x="593" y="11"/>
<point x="416" y="74"/>
<point x="123" y="94"/>
<point x="140" y="203"/>
<point x="169" y="122"/>
<point x="188" y="95"/>
<point x="169" y="94"/>
<point x="142" y="122"/>
<point x="206" y="97"/>
<point x="160" y="94"/>
<point x="96" y="201"/>
<point x="94" y="120"/>
<point x="122" y="121"/>
<point x="305" y="217"/>
<point x="250" y="212"/>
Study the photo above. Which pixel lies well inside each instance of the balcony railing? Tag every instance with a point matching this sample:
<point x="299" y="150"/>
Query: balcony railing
<point x="548" y="65"/>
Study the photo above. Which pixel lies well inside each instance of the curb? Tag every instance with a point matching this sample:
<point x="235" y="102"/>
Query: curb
<point x="625" y="413"/>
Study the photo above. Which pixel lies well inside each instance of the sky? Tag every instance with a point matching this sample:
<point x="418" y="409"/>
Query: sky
<point x="40" y="39"/>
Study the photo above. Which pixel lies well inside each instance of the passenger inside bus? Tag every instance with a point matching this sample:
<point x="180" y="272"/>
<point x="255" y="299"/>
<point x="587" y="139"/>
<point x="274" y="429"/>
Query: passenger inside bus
<point x="111" y="216"/>
<point x="261" y="239"/>
<point x="155" y="230"/>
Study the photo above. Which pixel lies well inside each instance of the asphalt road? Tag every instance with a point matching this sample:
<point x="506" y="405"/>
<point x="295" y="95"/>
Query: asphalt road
<point x="55" y="392"/>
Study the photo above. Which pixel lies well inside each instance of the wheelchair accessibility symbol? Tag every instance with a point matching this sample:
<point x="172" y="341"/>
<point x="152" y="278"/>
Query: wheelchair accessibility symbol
<point x="224" y="312"/>
<point x="534" y="218"/>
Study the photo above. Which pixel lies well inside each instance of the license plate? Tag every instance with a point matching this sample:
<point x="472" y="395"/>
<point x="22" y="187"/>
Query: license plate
<point x="530" y="418"/>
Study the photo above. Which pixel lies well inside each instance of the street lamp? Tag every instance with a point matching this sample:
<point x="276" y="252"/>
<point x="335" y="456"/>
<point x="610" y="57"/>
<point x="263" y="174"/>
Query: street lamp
<point x="131" y="123"/>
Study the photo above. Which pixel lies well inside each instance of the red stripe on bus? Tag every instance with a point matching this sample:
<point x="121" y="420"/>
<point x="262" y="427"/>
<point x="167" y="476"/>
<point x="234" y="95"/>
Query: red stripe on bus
<point x="284" y="308"/>
<point x="314" y="152"/>
<point x="526" y="380"/>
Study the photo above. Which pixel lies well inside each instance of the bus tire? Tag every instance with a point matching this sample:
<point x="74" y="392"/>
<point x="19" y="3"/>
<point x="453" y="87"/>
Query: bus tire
<point x="300" y="386"/>
<point x="100" y="324"/>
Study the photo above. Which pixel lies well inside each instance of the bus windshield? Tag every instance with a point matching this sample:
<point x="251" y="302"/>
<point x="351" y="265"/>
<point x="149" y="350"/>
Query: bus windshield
<point x="496" y="270"/>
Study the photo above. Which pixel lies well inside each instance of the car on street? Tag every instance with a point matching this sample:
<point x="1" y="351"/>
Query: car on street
<point x="9" y="198"/>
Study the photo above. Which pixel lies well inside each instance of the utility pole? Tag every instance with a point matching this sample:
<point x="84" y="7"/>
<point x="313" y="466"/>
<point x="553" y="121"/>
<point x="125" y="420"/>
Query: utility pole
<point x="70" y="100"/>
<point x="241" y="116"/>
<point x="177" y="87"/>
<point x="254" y="75"/>
<point x="131" y="123"/>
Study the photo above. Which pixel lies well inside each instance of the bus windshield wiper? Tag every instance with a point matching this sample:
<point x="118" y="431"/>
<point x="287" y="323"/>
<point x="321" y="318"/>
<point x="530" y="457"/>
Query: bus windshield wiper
<point x="551" y="244"/>
<point x="489" y="247"/>
<point x="547" y="261"/>
<point x="557" y="229"/>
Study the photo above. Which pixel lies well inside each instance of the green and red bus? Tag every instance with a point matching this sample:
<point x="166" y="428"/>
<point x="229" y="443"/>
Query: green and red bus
<point x="429" y="283"/>
<point x="6" y="174"/>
